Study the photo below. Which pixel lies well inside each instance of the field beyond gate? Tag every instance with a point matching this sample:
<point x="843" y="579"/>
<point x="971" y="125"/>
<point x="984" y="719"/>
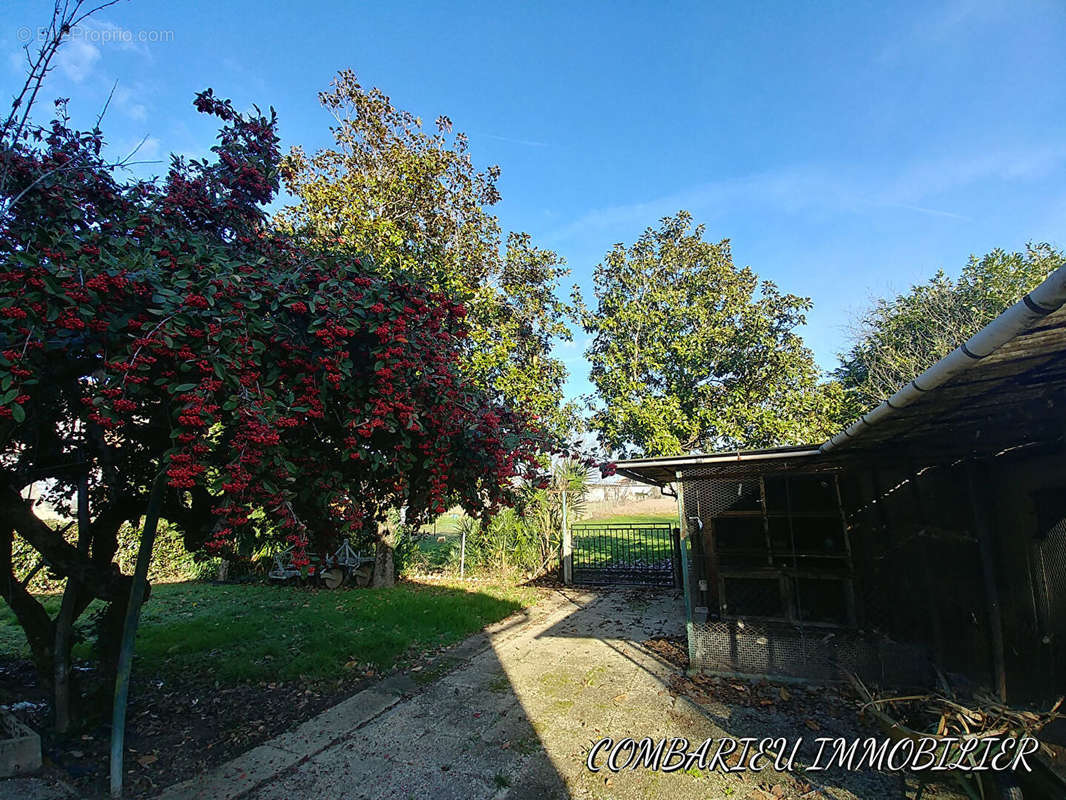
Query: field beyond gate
<point x="623" y="553"/>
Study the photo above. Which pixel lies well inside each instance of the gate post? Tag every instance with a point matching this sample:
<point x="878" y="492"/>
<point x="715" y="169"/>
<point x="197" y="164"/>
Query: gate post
<point x="684" y="534"/>
<point x="675" y="555"/>
<point x="567" y="547"/>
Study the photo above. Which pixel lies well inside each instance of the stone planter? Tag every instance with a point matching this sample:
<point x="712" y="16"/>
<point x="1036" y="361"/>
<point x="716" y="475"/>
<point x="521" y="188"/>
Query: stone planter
<point x="20" y="748"/>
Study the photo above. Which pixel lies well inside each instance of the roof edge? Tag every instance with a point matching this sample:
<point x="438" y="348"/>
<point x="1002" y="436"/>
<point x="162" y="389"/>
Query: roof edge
<point x="793" y="451"/>
<point x="1045" y="299"/>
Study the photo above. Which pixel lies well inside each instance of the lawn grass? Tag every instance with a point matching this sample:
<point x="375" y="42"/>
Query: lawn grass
<point x="437" y="555"/>
<point x="446" y="523"/>
<point x="589" y="550"/>
<point x="632" y="518"/>
<point x="246" y="633"/>
<point x="594" y="547"/>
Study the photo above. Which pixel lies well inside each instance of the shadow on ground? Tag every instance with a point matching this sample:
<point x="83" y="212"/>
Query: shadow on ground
<point x="513" y="713"/>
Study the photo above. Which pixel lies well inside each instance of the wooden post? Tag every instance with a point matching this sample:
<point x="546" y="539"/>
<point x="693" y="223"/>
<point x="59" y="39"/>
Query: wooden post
<point x="567" y="547"/>
<point x="845" y="529"/>
<point x="686" y="583"/>
<point x="983" y="527"/>
<point x="675" y="556"/>
<point x="926" y="570"/>
<point x="884" y="532"/>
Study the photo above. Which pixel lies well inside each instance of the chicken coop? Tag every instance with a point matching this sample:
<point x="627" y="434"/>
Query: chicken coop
<point x="929" y="536"/>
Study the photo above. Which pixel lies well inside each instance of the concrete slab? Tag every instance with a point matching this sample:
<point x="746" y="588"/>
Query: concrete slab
<point x="516" y="719"/>
<point x="318" y="733"/>
<point x="235" y="778"/>
<point x="36" y="788"/>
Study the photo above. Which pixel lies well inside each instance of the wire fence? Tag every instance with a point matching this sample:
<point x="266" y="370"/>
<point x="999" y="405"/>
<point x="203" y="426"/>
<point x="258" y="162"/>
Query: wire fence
<point x="890" y="572"/>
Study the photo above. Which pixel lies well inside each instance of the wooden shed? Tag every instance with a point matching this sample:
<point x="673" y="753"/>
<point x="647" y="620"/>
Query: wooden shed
<point x="929" y="534"/>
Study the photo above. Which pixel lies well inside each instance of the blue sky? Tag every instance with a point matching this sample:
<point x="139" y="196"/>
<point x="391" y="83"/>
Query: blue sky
<point x="847" y="149"/>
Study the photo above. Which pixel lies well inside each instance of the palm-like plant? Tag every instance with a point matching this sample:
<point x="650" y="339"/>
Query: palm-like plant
<point x="528" y="538"/>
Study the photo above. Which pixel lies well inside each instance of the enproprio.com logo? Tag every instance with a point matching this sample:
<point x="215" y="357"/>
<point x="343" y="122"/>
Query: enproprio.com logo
<point x="98" y="35"/>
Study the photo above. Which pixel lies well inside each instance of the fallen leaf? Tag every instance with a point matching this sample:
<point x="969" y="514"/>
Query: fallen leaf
<point x="620" y="698"/>
<point x="144" y="761"/>
<point x="785" y="693"/>
<point x="810" y="723"/>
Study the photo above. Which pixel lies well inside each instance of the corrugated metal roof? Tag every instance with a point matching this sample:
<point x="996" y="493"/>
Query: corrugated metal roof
<point x="664" y="469"/>
<point x="1016" y="395"/>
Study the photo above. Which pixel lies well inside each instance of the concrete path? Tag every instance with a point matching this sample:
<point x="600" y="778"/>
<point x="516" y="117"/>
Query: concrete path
<point x="511" y="714"/>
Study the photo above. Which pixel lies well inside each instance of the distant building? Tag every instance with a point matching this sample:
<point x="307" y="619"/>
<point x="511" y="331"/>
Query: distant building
<point x="618" y="489"/>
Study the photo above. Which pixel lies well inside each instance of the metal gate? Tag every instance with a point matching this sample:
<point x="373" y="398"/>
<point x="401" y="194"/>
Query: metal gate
<point x="642" y="553"/>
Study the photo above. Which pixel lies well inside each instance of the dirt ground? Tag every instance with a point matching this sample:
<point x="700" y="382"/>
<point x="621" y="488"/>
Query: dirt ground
<point x="175" y="730"/>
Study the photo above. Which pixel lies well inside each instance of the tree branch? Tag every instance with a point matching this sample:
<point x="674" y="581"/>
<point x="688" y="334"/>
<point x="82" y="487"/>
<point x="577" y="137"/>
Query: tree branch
<point x="100" y="581"/>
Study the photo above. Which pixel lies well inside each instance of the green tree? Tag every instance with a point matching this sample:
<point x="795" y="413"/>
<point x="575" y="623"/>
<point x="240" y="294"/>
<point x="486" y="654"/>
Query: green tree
<point x="414" y="201"/>
<point x="153" y="330"/>
<point x="690" y="352"/>
<point x="899" y="337"/>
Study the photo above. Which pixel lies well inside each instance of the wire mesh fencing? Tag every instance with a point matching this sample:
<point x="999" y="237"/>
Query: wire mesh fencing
<point x="772" y="580"/>
<point x="901" y="575"/>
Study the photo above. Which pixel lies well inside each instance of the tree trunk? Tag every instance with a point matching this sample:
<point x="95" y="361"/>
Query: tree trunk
<point x="65" y="621"/>
<point x="31" y="615"/>
<point x="223" y="570"/>
<point x="109" y="643"/>
<point x="384" y="567"/>
<point x="91" y="574"/>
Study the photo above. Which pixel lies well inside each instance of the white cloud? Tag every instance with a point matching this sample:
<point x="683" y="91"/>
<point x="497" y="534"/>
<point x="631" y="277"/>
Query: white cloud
<point x="943" y="26"/>
<point x="77" y="59"/>
<point x="512" y="140"/>
<point x="144" y="154"/>
<point x="128" y="102"/>
<point x="826" y="189"/>
<point x="933" y="212"/>
<point x="149" y="149"/>
<point x="111" y="35"/>
<point x="17" y="61"/>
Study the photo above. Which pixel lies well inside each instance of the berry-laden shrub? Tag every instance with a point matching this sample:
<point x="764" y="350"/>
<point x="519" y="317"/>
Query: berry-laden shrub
<point x="162" y="326"/>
